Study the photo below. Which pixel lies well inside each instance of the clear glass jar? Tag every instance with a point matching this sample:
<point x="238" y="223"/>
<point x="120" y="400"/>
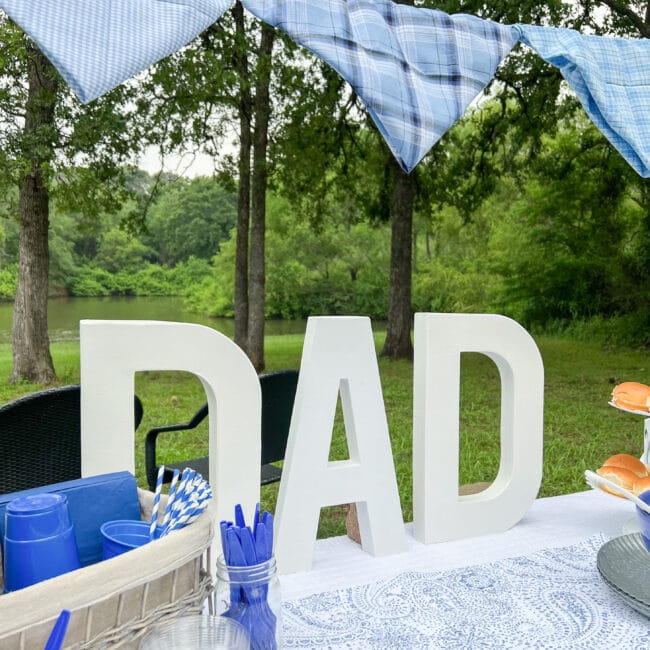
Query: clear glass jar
<point x="251" y="596"/>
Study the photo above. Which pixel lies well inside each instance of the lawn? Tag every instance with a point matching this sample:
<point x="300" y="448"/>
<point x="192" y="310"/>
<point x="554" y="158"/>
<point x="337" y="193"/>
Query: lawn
<point x="580" y="429"/>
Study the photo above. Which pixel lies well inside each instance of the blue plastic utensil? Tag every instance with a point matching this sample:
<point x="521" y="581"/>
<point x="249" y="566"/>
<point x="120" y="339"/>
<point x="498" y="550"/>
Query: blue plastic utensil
<point x="256" y="520"/>
<point x="261" y="543"/>
<point x="57" y="635"/>
<point x="244" y="547"/>
<point x="231" y="549"/>
<point x="248" y="546"/>
<point x="267" y="520"/>
<point x="239" y="516"/>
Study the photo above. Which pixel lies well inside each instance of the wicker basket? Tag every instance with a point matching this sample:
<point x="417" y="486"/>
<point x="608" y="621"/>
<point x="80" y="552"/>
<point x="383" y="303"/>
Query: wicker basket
<point x="114" y="602"/>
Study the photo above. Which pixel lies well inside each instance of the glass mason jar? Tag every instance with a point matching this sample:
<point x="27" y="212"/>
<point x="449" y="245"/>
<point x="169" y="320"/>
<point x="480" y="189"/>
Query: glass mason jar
<point x="251" y="596"/>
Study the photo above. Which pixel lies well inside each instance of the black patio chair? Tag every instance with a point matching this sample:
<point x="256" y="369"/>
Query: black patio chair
<point x="40" y="438"/>
<point x="278" y="394"/>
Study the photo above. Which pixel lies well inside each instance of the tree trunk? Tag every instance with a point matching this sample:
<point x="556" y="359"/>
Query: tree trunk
<point x="243" y="200"/>
<point x="32" y="360"/>
<point x="256" y="294"/>
<point x="398" y="330"/>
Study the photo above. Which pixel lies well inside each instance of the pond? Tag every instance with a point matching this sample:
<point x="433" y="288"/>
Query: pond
<point x="64" y="315"/>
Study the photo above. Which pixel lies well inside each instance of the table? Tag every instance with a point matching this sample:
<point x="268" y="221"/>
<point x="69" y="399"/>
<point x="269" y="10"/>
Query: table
<point x="533" y="586"/>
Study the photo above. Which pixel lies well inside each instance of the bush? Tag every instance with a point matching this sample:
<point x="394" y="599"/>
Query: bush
<point x="187" y="275"/>
<point x="213" y="298"/>
<point x="90" y="282"/>
<point x="441" y="288"/>
<point x="627" y="330"/>
<point x="8" y="282"/>
<point x="125" y="283"/>
<point x="152" y="280"/>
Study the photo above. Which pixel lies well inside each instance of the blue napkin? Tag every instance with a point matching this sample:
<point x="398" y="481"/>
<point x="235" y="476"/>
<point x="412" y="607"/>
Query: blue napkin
<point x="611" y="77"/>
<point x="91" y="502"/>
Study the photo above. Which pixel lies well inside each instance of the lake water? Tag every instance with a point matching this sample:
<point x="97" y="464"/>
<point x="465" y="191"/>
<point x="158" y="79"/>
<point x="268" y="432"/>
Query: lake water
<point x="64" y="315"/>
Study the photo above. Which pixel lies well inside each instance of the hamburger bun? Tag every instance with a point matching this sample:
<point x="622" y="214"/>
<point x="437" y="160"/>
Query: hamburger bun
<point x="623" y="477"/>
<point x="626" y="461"/>
<point x="632" y="395"/>
<point x="642" y="485"/>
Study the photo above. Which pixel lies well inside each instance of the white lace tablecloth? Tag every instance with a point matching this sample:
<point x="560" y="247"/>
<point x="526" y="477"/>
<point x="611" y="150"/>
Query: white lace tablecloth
<point x="534" y="586"/>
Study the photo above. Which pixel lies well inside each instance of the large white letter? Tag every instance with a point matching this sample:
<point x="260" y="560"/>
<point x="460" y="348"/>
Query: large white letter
<point x="113" y="351"/>
<point x="338" y="355"/>
<point x="439" y="514"/>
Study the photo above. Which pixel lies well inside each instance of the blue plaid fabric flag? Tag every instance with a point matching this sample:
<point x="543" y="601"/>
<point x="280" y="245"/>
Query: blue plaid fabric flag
<point x="416" y="70"/>
<point x="97" y="44"/>
<point x="611" y="77"/>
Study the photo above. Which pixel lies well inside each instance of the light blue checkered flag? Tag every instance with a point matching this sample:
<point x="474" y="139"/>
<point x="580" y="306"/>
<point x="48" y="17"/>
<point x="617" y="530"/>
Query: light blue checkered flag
<point x="611" y="77"/>
<point x="416" y="70"/>
<point x="97" y="44"/>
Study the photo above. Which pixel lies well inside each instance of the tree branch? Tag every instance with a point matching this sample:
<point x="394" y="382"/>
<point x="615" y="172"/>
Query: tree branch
<point x="623" y="10"/>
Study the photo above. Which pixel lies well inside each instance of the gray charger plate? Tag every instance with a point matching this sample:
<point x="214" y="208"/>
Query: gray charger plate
<point x="624" y="565"/>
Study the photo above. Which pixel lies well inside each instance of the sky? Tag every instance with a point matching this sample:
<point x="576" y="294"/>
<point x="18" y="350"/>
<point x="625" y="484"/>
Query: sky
<point x="190" y="165"/>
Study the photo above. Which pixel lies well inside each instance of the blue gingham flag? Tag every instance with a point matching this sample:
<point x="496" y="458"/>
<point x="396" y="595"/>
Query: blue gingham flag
<point x="416" y="70"/>
<point x="97" y="44"/>
<point x="611" y="77"/>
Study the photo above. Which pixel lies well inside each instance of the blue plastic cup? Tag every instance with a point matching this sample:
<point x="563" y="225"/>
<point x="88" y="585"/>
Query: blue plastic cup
<point x="123" y="535"/>
<point x="37" y="516"/>
<point x="39" y="540"/>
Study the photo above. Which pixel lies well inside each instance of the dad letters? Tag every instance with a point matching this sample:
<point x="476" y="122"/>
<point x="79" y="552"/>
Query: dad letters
<point x="338" y="359"/>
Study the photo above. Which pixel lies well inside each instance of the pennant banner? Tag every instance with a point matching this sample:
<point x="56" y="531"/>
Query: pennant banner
<point x="416" y="70"/>
<point x="611" y="77"/>
<point x="97" y="44"/>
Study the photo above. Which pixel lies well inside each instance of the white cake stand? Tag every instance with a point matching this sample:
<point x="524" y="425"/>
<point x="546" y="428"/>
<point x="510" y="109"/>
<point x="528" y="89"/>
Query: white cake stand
<point x="632" y="525"/>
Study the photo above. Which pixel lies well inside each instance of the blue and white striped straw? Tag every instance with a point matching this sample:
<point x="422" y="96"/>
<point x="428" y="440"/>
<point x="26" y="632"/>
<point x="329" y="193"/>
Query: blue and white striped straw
<point x="188" y="500"/>
<point x="156" y="501"/>
<point x="185" y="485"/>
<point x="170" y="499"/>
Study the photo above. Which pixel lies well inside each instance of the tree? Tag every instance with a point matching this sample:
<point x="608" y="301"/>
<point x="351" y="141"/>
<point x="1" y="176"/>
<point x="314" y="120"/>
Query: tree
<point x="52" y="149"/>
<point x="537" y="104"/>
<point x="190" y="218"/>
<point x="400" y="315"/>
<point x="31" y="347"/>
<point x="118" y="251"/>
<point x="222" y="79"/>
<point x="256" y="293"/>
<point x="339" y="268"/>
<point x="245" y="110"/>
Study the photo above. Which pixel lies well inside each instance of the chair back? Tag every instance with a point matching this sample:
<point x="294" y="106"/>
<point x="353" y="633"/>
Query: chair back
<point x="40" y="438"/>
<point x="278" y="395"/>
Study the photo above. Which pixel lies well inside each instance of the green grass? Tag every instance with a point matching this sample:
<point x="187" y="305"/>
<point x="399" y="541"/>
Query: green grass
<point x="580" y="429"/>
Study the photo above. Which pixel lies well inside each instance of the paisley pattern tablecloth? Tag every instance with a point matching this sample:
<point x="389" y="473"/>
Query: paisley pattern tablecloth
<point x="550" y="599"/>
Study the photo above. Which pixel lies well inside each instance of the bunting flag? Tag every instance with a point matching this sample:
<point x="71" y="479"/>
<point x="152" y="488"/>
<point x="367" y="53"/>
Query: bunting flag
<point x="611" y="77"/>
<point x="97" y="44"/>
<point x="416" y="70"/>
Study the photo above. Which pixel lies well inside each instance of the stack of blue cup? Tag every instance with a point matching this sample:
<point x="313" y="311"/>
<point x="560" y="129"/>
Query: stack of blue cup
<point x="39" y="540"/>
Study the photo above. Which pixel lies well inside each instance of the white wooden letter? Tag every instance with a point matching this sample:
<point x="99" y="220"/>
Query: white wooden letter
<point x="338" y="355"/>
<point x="439" y="514"/>
<point x="113" y="351"/>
